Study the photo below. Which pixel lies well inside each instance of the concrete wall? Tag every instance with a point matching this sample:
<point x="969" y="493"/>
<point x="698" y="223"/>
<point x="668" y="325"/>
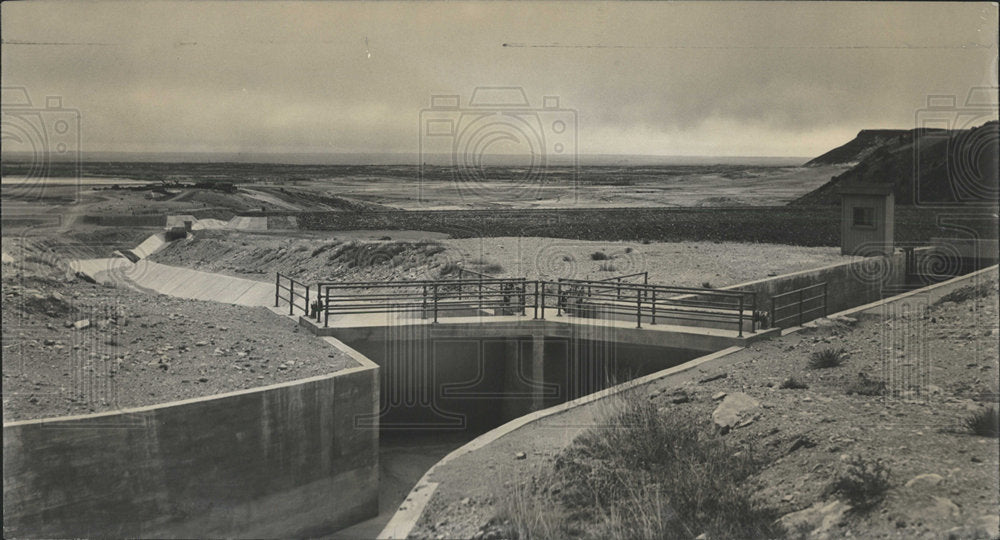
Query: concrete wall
<point x="848" y="285"/>
<point x="279" y="461"/>
<point x="454" y="378"/>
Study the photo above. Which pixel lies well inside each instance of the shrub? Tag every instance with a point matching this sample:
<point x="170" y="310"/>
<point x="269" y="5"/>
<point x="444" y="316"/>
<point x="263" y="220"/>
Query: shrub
<point x="628" y="250"/>
<point x="706" y="285"/>
<point x="567" y="258"/>
<point x="492" y="268"/>
<point x="385" y="238"/>
<point x="863" y="386"/>
<point x="792" y="383"/>
<point x="449" y="268"/>
<point x="599" y="256"/>
<point x="643" y="474"/>
<point x="827" y="358"/>
<point x="864" y="483"/>
<point x="984" y="423"/>
<point x="608" y="267"/>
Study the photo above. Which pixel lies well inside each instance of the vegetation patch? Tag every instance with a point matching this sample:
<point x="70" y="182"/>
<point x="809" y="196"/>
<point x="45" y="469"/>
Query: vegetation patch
<point x="792" y="383"/>
<point x="865" y="386"/>
<point x="984" y="423"/>
<point x="644" y="475"/>
<point x="827" y="358"/>
<point x="864" y="483"/>
<point x="969" y="293"/>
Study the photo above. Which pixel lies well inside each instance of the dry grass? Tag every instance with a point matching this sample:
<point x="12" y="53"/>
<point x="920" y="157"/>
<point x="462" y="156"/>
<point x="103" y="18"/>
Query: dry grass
<point x="864" y="386"/>
<point x="984" y="423"/>
<point x="827" y="358"/>
<point x="643" y="474"/>
<point x="864" y="484"/>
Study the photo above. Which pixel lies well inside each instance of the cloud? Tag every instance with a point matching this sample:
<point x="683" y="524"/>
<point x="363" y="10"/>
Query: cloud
<point x="780" y="78"/>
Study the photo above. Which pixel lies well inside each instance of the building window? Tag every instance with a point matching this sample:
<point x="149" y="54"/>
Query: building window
<point x="864" y="217"/>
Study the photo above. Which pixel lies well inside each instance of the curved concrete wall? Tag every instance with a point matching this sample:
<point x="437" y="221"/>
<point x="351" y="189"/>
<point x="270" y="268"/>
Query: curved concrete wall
<point x="278" y="461"/>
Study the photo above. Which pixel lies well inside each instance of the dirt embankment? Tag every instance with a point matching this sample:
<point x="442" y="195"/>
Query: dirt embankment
<point x="684" y="263"/>
<point x="71" y="347"/>
<point x="901" y="398"/>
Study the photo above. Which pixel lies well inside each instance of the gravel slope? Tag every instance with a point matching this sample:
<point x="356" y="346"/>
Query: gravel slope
<point x="135" y="349"/>
<point x="692" y="264"/>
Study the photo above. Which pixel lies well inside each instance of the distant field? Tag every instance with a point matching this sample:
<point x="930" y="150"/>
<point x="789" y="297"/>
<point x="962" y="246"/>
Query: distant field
<point x="270" y="187"/>
<point x="800" y="225"/>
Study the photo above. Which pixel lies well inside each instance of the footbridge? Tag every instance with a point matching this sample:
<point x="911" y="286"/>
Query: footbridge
<point x="617" y="301"/>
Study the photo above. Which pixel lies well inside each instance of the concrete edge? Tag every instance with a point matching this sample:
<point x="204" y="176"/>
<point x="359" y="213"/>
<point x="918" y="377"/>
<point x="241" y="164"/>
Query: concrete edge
<point x="947" y="286"/>
<point x="939" y="289"/>
<point x="403" y="521"/>
<point x="364" y="365"/>
<point x="856" y="259"/>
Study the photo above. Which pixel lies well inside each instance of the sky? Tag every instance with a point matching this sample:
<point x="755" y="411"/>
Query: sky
<point x="677" y="78"/>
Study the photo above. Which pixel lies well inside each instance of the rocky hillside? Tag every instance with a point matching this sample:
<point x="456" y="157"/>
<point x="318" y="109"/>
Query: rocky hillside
<point x="867" y="141"/>
<point x="926" y="166"/>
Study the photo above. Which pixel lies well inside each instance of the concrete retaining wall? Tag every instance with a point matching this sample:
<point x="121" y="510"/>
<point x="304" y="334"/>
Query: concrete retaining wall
<point x="279" y="461"/>
<point x="848" y="284"/>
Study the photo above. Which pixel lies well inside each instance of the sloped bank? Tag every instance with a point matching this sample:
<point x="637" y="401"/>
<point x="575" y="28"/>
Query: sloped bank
<point x="443" y="504"/>
<point x="277" y="461"/>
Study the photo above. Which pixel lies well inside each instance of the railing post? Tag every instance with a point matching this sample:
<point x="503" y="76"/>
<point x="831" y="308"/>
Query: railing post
<point x="326" y="309"/>
<point x="480" y="293"/>
<point x="306" y="309"/>
<point x="536" y="299"/>
<point x="638" y="308"/>
<point x="619" y="288"/>
<point x="800" y="307"/>
<point x="423" y="303"/>
<point x="753" y="309"/>
<point x="559" y="299"/>
<point x="824" y="299"/>
<point x="291" y="296"/>
<point x="741" y="316"/>
<point x="645" y="278"/>
<point x="524" y="308"/>
<point x="277" y="287"/>
<point x="542" y="285"/>
<point x="435" y="302"/>
<point x="774" y="315"/>
<point x="653" y="306"/>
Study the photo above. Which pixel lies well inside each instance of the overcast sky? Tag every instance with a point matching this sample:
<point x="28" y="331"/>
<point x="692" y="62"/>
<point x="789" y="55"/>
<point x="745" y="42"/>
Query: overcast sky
<point x="727" y="79"/>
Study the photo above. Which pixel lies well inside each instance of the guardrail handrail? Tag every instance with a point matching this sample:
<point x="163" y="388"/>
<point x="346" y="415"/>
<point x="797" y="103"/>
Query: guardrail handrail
<point x="293" y="294"/>
<point x="575" y="297"/>
<point x="645" y="277"/>
<point x="799" y="300"/>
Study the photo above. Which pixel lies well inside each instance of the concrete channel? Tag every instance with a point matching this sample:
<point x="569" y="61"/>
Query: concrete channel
<point x="431" y="389"/>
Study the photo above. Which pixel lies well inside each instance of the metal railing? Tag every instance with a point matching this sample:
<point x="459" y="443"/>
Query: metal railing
<point x="580" y="297"/>
<point x="799" y="306"/>
<point x="430" y="298"/>
<point x="639" y="302"/>
<point x="294" y="291"/>
<point x="645" y="277"/>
